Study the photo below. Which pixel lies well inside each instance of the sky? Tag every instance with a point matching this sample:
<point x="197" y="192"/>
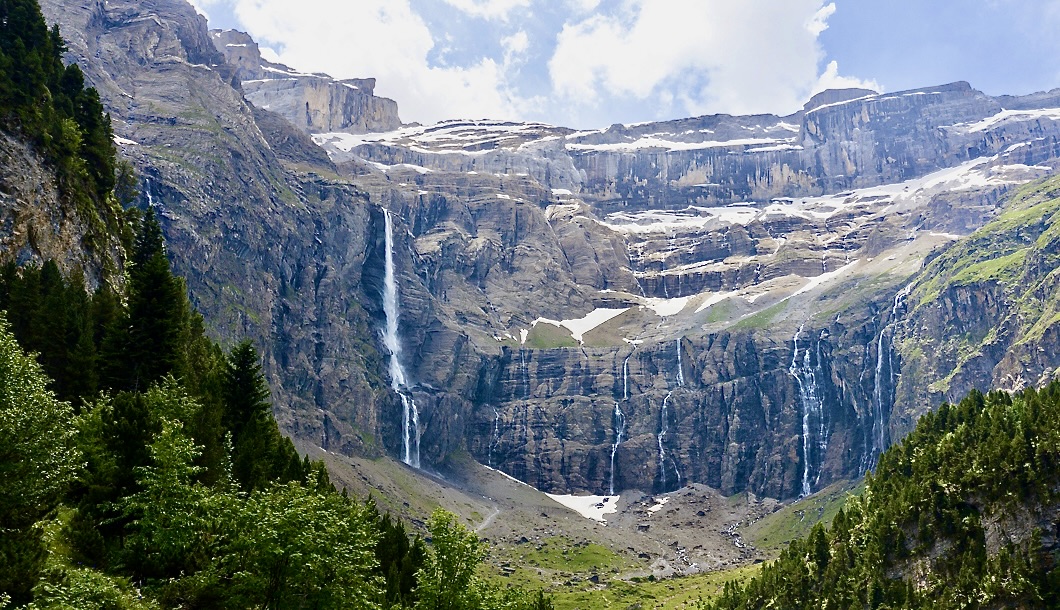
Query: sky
<point x="592" y="63"/>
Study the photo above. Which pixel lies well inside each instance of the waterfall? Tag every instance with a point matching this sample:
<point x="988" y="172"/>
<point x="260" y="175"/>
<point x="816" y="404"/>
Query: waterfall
<point x="625" y="377"/>
<point x="495" y="437"/>
<point x="663" y="429"/>
<point x="805" y="375"/>
<point x="883" y="386"/>
<point x="410" y="421"/>
<point x="524" y="373"/>
<point x="619" y="426"/>
<point x="680" y="369"/>
<point x="147" y="191"/>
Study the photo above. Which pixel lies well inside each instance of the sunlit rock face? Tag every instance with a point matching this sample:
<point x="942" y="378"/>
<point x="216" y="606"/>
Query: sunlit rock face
<point x="734" y="287"/>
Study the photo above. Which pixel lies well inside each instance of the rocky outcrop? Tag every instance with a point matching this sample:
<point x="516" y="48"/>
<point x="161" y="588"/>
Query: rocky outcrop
<point x="313" y="102"/>
<point x="38" y="224"/>
<point x="986" y="315"/>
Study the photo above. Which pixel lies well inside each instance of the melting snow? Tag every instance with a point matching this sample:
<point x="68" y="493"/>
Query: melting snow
<point x="579" y="327"/>
<point x="590" y="507"/>
<point x="825" y="277"/>
<point x="659" y="503"/>
<point x="715" y="298"/>
<point x="648" y="142"/>
<point x="666" y="307"/>
<point x="1004" y="115"/>
<point x="120" y="141"/>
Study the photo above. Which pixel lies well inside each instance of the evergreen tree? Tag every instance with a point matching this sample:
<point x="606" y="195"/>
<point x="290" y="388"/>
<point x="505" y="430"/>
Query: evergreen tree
<point x="37" y="460"/>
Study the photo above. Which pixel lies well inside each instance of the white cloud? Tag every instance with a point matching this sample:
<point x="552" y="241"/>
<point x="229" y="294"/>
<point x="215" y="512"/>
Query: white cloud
<point x="819" y="22"/>
<point x="711" y="55"/>
<point x="627" y="60"/>
<point x="488" y="9"/>
<point x="384" y="39"/>
<point x="831" y="79"/>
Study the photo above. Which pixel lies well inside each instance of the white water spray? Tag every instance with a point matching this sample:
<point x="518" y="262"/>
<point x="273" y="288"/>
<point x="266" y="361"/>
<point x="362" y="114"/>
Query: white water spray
<point x="619" y="423"/>
<point x="398" y="381"/>
<point x="680" y="369"/>
<point x="661" y="437"/>
<point x="812" y="410"/>
<point x="495" y="437"/>
<point x="882" y="398"/>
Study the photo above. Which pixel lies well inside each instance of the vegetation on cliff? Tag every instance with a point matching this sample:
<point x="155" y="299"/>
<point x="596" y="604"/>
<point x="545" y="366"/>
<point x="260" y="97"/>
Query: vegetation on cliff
<point x="961" y="514"/>
<point x="47" y="103"/>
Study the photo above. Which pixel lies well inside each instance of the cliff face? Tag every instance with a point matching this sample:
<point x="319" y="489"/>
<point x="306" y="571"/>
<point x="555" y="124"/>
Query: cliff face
<point x="716" y="299"/>
<point x="986" y="314"/>
<point x="37" y="224"/>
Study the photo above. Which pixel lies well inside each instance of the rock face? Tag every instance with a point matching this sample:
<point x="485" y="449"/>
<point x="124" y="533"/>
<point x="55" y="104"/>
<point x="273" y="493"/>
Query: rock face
<point x="719" y="299"/>
<point x="313" y="102"/>
<point x="37" y="224"/>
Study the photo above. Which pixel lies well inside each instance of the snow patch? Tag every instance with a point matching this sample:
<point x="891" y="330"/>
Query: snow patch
<point x="666" y="307"/>
<point x="590" y="507"/>
<point x="825" y="277"/>
<point x="659" y="503"/>
<point x="715" y="298"/>
<point x="579" y="327"/>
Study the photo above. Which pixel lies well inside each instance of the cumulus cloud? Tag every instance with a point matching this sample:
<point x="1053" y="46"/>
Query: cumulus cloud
<point x="385" y="39"/>
<point x="577" y="62"/>
<point x="708" y="55"/>
<point x="488" y="9"/>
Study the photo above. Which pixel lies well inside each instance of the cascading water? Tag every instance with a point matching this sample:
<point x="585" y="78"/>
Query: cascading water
<point x="495" y="437"/>
<point x="147" y="191"/>
<point x="625" y="377"/>
<point x="398" y="381"/>
<point x="661" y="437"/>
<point x="680" y="368"/>
<point x="883" y="386"/>
<point x="805" y="375"/>
<point x="619" y="425"/>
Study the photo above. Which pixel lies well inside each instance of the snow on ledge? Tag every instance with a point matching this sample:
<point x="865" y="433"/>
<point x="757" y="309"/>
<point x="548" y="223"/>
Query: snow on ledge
<point x="666" y="307"/>
<point x="579" y="327"/>
<point x="590" y="507"/>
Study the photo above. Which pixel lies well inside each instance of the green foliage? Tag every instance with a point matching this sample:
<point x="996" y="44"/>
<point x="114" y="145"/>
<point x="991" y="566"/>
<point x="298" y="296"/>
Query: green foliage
<point x="448" y="579"/>
<point x="38" y="460"/>
<point x="47" y="103"/>
<point x="917" y="537"/>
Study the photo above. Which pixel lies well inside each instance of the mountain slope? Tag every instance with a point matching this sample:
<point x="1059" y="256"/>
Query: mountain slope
<point x="962" y="512"/>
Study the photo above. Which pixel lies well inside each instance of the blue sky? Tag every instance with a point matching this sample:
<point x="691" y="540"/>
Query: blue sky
<point x="591" y="63"/>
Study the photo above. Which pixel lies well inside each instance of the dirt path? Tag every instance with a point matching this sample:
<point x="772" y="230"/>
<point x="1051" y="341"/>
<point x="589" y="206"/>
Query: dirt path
<point x="489" y="520"/>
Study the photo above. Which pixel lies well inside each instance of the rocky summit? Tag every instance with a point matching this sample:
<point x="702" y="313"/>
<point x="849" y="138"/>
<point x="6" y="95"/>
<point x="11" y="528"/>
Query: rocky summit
<point x="745" y="302"/>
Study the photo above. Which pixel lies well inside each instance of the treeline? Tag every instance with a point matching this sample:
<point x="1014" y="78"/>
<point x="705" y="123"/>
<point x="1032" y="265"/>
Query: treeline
<point x="963" y="513"/>
<point x="134" y="450"/>
<point x="46" y="103"/>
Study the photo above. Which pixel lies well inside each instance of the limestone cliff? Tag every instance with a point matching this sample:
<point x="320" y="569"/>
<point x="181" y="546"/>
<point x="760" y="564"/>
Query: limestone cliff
<point x="314" y="102"/>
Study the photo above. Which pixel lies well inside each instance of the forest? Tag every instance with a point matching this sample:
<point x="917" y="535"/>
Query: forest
<point x="140" y="464"/>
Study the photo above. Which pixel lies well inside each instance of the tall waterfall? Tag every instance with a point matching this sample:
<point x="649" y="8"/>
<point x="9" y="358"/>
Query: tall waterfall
<point x="147" y="191"/>
<point x="805" y="374"/>
<point x="883" y="386"/>
<point x="680" y="369"/>
<point x="410" y="421"/>
<point x="661" y="437"/>
<point x="619" y="425"/>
